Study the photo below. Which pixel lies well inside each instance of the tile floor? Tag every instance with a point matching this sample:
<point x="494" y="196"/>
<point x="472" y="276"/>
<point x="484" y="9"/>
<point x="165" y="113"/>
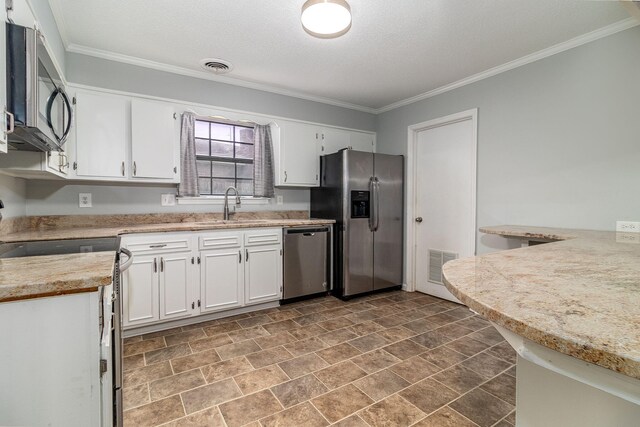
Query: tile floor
<point x="392" y="359"/>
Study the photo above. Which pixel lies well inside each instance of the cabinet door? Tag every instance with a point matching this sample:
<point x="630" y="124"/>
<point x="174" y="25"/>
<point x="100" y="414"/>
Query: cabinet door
<point x="221" y="279"/>
<point x="154" y="140"/>
<point x="102" y="132"/>
<point x="140" y="304"/>
<point x="263" y="274"/>
<point x="334" y="140"/>
<point x="3" y="78"/>
<point x="176" y="282"/>
<point x="299" y="155"/>
<point x="361" y="141"/>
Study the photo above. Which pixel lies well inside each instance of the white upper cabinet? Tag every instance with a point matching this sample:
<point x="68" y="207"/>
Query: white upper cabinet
<point x="155" y="140"/>
<point x="3" y="79"/>
<point x="102" y="135"/>
<point x="297" y="155"/>
<point x="361" y="141"/>
<point x="334" y="140"/>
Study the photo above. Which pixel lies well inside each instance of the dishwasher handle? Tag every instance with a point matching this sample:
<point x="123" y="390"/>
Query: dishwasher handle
<point x="307" y="231"/>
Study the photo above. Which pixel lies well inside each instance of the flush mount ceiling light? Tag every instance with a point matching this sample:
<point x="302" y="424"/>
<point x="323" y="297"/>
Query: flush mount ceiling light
<point x="326" y="18"/>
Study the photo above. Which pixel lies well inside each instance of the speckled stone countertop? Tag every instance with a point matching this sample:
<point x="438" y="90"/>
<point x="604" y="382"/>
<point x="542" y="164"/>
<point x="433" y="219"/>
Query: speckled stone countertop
<point x="39" y="276"/>
<point x="579" y="295"/>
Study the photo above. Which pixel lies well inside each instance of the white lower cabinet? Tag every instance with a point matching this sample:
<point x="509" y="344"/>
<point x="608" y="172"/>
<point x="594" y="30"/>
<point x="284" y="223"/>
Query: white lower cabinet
<point x="221" y="279"/>
<point x="140" y="304"/>
<point x="263" y="274"/>
<point x="177" y="275"/>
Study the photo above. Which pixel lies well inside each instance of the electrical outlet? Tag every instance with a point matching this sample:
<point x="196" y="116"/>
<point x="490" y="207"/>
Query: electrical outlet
<point x="84" y="200"/>
<point x="627" y="227"/>
<point x="628" y="238"/>
<point x="168" y="199"/>
<point x="279" y="200"/>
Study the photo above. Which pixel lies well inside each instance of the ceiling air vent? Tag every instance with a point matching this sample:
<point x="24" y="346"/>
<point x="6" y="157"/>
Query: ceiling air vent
<point x="215" y="65"/>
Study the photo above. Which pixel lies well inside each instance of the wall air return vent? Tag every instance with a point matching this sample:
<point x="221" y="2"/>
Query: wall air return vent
<point x="216" y="66"/>
<point x="436" y="260"/>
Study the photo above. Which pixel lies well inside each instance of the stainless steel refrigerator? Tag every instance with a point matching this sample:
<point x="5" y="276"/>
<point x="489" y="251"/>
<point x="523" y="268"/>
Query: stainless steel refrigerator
<point x="363" y="192"/>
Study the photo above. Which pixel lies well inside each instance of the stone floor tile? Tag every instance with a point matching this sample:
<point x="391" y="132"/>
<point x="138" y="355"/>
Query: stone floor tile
<point x="221" y="328"/>
<point x="375" y="360"/>
<point x="459" y="378"/>
<point x="249" y="408"/>
<point x="209" y="417"/>
<point x="381" y="384"/>
<point x="175" y="384"/>
<point x="275" y="340"/>
<point x="338" y="353"/>
<point x="210" y="342"/>
<point x="486" y="365"/>
<point x="136" y="395"/>
<point x="429" y="395"/>
<point x="352" y="421"/>
<point x="155" y="413"/>
<point x="340" y="374"/>
<point x="481" y="407"/>
<point x="446" y="417"/>
<point x="146" y="374"/>
<point x="443" y="357"/>
<point x="186" y="363"/>
<point x="337" y="337"/>
<point x="303" y="365"/>
<point x="504" y="351"/>
<point x="162" y="354"/>
<point x="210" y="395"/>
<point x="260" y="379"/>
<point x="304" y="415"/>
<point x="467" y="346"/>
<point x="305" y="346"/>
<point x="299" y="390"/>
<point x="502" y="386"/>
<point x="415" y="369"/>
<point x="226" y="369"/>
<point x="133" y="362"/>
<point x="488" y="335"/>
<point x="368" y="342"/>
<point x="184" y="337"/>
<point x="264" y="358"/>
<point x="405" y="349"/>
<point x="393" y="411"/>
<point x="341" y="403"/>
<point x="143" y="346"/>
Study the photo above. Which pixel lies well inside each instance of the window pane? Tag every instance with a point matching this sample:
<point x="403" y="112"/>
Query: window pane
<point x="245" y="170"/>
<point x="244" y="134"/>
<point x="223" y="170"/>
<point x="221" y="149"/>
<point x="202" y="129"/>
<point x="219" y="186"/>
<point x="220" y="131"/>
<point x="203" y="167"/>
<point x="202" y="147"/>
<point x="204" y="185"/>
<point x="244" y="151"/>
<point x="245" y="187"/>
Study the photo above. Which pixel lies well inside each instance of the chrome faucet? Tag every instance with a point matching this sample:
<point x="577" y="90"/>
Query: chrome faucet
<point x="225" y="214"/>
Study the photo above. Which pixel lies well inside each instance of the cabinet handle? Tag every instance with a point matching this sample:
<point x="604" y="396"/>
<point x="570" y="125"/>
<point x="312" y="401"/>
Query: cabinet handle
<point x="122" y="168"/>
<point x="246" y="251"/>
<point x="198" y="303"/>
<point x="198" y="260"/>
<point x="161" y="264"/>
<point x="285" y="176"/>
<point x="135" y="168"/>
<point x="12" y="122"/>
<point x="175" y="169"/>
<point x="155" y="265"/>
<point x="193" y="305"/>
<point x="162" y="245"/>
<point x="239" y="257"/>
<point x="193" y="260"/>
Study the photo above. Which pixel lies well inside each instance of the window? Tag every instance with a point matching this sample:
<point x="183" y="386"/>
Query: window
<point x="224" y="157"/>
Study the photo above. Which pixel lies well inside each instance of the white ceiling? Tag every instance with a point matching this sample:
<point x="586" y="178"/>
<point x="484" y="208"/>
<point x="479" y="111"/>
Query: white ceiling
<point x="396" y="49"/>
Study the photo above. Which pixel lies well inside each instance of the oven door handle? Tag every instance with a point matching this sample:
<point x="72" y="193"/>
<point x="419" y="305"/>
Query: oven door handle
<point x="125" y="265"/>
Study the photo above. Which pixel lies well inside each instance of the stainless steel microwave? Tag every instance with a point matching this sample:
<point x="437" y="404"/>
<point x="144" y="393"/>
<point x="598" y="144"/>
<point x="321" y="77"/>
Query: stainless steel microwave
<point x="36" y="98"/>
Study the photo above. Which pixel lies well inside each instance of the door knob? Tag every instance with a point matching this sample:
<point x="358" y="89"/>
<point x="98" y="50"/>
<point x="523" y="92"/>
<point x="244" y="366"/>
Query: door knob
<point x="419" y="219"/>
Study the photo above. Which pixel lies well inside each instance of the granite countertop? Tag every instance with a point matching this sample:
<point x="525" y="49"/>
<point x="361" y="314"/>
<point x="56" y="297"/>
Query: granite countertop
<point x="579" y="295"/>
<point x="41" y="276"/>
<point x="112" y="231"/>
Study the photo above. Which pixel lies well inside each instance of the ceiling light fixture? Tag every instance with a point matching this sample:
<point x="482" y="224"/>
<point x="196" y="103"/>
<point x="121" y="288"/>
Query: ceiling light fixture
<point x="326" y="19"/>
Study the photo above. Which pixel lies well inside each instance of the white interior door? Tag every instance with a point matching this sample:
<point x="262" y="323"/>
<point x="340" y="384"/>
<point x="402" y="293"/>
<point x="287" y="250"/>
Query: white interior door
<point x="445" y="194"/>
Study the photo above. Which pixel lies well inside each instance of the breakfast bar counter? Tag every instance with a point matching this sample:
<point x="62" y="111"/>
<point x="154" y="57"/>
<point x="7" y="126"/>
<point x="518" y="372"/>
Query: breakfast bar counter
<point x="561" y="304"/>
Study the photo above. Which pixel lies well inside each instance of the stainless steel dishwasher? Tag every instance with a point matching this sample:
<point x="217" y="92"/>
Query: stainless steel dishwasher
<point x="307" y="261"/>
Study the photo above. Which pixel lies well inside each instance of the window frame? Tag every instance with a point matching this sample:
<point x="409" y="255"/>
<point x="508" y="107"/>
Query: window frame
<point x="235" y="161"/>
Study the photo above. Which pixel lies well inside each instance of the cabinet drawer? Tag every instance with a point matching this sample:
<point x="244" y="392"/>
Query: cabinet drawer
<point x="220" y="240"/>
<point x="159" y="245"/>
<point x="267" y="236"/>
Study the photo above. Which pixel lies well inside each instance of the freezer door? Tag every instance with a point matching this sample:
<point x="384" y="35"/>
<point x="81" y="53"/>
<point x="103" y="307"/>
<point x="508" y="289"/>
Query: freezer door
<point x="388" y="220"/>
<point x="357" y="255"/>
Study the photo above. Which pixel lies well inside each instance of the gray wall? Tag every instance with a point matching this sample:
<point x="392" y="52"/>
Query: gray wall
<point x="558" y="139"/>
<point x="49" y="28"/>
<point x="13" y="192"/>
<point x="61" y="198"/>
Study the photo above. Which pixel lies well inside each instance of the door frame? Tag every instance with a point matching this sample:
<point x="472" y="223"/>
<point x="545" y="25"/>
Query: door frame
<point x="412" y="145"/>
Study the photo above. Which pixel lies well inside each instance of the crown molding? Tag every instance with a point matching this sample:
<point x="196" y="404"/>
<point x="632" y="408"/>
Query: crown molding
<point x="541" y="54"/>
<point x="58" y="16"/>
<point x="111" y="56"/>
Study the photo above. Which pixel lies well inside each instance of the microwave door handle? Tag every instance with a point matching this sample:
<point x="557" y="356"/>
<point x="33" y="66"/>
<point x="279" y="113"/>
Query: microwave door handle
<point x="67" y="105"/>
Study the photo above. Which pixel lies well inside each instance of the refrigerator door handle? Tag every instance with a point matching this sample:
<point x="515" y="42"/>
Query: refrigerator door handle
<point x="372" y="209"/>
<point x="377" y="204"/>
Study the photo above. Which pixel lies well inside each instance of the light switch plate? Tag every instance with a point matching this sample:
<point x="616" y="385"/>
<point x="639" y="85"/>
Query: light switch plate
<point x="84" y="200"/>
<point x="168" y="199"/>
<point x="279" y="200"/>
<point x="627" y="227"/>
